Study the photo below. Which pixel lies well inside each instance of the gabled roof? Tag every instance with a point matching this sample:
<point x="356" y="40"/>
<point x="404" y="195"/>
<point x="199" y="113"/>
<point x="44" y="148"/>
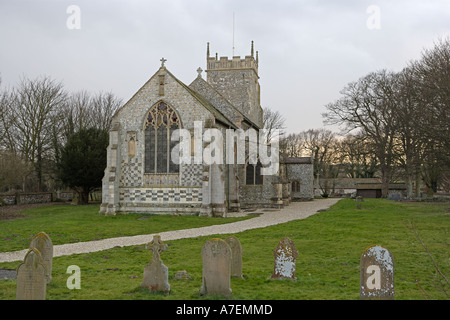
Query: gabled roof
<point x="217" y="113"/>
<point x="205" y="103"/>
<point x="202" y="86"/>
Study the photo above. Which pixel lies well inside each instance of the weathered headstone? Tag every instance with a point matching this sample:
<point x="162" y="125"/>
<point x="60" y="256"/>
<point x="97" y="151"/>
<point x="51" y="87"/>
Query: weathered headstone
<point x="31" y="277"/>
<point x="395" y="196"/>
<point x="216" y="255"/>
<point x="156" y="274"/>
<point x="182" y="275"/>
<point x="285" y="255"/>
<point x="377" y="274"/>
<point x="236" y="256"/>
<point x="44" y="244"/>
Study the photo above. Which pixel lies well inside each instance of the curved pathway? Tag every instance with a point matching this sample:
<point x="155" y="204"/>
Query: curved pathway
<point x="295" y="211"/>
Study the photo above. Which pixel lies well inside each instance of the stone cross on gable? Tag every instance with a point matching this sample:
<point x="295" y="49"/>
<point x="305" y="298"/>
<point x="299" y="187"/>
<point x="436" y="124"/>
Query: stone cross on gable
<point x="162" y="61"/>
<point x="199" y="71"/>
<point x="156" y="246"/>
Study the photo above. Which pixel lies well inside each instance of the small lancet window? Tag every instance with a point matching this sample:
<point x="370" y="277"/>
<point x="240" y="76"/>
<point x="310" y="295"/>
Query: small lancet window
<point x="295" y="186"/>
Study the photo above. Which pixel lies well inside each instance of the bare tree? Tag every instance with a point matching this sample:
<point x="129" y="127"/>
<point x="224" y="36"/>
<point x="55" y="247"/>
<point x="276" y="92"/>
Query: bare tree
<point x="6" y="99"/>
<point x="369" y="105"/>
<point x="404" y="117"/>
<point x="12" y="171"/>
<point x="432" y="72"/>
<point x="292" y="145"/>
<point x="431" y="75"/>
<point x="321" y="144"/>
<point x="272" y="121"/>
<point x="356" y="156"/>
<point x="36" y="119"/>
<point x="104" y="105"/>
<point x="76" y="113"/>
<point x="410" y="146"/>
<point x="35" y="106"/>
<point x="83" y="110"/>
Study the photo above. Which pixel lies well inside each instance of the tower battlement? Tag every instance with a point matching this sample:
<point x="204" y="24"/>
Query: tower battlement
<point x="237" y="80"/>
<point x="236" y="62"/>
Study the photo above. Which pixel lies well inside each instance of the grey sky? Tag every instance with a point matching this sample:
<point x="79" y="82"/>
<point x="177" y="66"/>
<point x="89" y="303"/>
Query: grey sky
<point x="308" y="50"/>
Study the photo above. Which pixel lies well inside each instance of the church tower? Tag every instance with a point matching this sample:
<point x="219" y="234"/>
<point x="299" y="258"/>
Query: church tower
<point x="237" y="80"/>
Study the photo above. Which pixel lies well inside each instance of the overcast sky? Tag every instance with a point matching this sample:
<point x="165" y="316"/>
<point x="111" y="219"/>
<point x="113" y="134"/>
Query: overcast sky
<point x="308" y="49"/>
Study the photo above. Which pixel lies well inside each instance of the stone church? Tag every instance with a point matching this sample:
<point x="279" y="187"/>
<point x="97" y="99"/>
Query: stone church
<point x="141" y="175"/>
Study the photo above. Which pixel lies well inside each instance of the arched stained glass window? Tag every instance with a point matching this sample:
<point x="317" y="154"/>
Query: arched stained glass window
<point x="161" y="121"/>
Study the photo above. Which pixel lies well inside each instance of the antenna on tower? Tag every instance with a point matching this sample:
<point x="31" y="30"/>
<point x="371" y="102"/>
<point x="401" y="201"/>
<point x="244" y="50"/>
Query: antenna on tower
<point x="233" y="35"/>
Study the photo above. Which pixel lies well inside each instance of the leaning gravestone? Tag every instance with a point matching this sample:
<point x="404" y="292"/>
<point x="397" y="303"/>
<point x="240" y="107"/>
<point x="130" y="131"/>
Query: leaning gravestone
<point x="31" y="277"/>
<point x="44" y="244"/>
<point x="236" y="256"/>
<point x="216" y="255"/>
<point x="377" y="274"/>
<point x="156" y="274"/>
<point x="285" y="255"/>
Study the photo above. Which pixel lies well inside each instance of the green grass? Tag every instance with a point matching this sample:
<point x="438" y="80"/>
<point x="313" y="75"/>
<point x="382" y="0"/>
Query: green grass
<point x="329" y="243"/>
<point x="69" y="224"/>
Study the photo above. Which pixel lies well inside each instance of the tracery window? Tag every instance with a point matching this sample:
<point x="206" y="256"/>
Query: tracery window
<point x="161" y="121"/>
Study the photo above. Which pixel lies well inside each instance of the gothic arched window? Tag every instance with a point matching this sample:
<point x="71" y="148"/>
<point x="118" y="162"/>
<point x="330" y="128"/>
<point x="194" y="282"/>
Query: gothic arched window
<point x="161" y="121"/>
<point x="253" y="174"/>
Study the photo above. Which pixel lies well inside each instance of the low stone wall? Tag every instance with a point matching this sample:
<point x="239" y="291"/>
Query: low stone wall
<point x="443" y="196"/>
<point x="7" y="199"/>
<point x="64" y="195"/>
<point x="26" y="198"/>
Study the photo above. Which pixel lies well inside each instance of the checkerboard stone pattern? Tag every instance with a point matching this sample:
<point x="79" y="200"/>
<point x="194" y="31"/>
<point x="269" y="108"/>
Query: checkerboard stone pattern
<point x="191" y="175"/>
<point x="131" y="172"/>
<point x="161" y="195"/>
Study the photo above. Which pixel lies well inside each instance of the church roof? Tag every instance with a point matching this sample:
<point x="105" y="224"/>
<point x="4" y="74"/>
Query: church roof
<point x="202" y="87"/>
<point x="217" y="113"/>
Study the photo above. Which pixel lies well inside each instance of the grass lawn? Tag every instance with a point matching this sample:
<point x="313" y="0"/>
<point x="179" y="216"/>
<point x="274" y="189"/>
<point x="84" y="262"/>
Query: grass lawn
<point x="69" y="224"/>
<point x="329" y="243"/>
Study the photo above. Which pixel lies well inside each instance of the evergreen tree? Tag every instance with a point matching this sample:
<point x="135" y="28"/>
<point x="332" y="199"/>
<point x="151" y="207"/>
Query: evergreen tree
<point x="83" y="160"/>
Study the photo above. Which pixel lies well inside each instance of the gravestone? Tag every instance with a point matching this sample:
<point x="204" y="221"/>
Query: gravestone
<point x="377" y="274"/>
<point x="285" y="255"/>
<point x="44" y="245"/>
<point x="236" y="256"/>
<point x="182" y="275"/>
<point x="216" y="255"/>
<point x="156" y="274"/>
<point x="31" y="277"/>
<point x="395" y="196"/>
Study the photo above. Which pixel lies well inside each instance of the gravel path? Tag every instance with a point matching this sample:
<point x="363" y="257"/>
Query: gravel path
<point x="295" y="211"/>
